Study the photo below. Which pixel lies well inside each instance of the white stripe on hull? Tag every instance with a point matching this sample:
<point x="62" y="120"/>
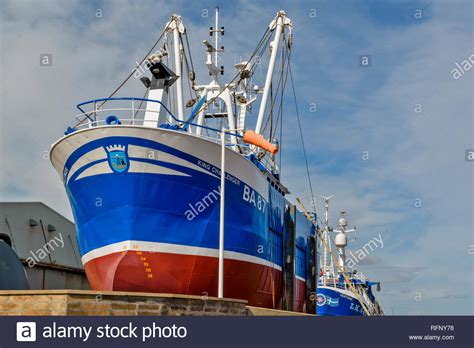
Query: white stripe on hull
<point x="200" y="148"/>
<point x="173" y="249"/>
<point x="96" y="169"/>
<point x="135" y="167"/>
<point x="142" y="167"/>
<point x="148" y="153"/>
<point x="343" y="291"/>
<point x="87" y="158"/>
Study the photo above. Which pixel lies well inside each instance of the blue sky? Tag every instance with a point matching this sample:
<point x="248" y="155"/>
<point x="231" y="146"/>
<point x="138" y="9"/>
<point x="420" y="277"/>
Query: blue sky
<point x="425" y="267"/>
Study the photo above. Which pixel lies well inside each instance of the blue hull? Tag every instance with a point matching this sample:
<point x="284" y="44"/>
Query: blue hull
<point x="109" y="208"/>
<point x="129" y="207"/>
<point x="333" y="302"/>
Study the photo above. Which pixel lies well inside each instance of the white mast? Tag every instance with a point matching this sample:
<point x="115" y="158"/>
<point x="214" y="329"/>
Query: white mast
<point x="176" y="26"/>
<point x="341" y="241"/>
<point x="215" y="90"/>
<point x="216" y="37"/>
<point x="278" y="24"/>
<point x="324" y="262"/>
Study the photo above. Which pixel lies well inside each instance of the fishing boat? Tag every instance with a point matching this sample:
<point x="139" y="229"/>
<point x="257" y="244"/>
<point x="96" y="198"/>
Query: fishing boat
<point x="342" y="290"/>
<point x="143" y="178"/>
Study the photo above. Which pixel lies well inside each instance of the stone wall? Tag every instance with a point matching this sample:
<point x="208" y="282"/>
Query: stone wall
<point x="83" y="302"/>
<point x="109" y="303"/>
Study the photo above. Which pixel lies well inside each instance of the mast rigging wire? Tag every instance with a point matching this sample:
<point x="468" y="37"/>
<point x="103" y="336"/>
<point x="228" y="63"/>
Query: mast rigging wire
<point x="259" y="46"/>
<point x="281" y="82"/>
<point x="189" y="51"/>
<point x="301" y="133"/>
<point x="139" y="106"/>
<point x="188" y="69"/>
<point x="133" y="70"/>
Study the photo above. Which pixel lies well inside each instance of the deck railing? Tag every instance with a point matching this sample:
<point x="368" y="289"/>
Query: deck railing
<point x="93" y="114"/>
<point x="94" y="117"/>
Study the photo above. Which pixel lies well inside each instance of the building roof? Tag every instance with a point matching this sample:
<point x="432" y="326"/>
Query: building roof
<point x="39" y="234"/>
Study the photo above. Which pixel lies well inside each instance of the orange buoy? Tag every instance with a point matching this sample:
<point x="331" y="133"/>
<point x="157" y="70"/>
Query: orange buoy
<point x="250" y="137"/>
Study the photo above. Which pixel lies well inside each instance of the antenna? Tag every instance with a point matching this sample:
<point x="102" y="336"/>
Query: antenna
<point x="341" y="240"/>
<point x="326" y="263"/>
<point x="216" y="38"/>
<point x="216" y="31"/>
<point x="326" y="213"/>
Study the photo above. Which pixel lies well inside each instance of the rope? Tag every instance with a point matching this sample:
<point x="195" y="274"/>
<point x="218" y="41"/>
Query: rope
<point x="135" y="69"/>
<point x="132" y="72"/>
<point x="280" y="110"/>
<point x="282" y="80"/>
<point x="283" y="77"/>
<point x="301" y="133"/>
<point x="189" y="51"/>
<point x="139" y="107"/>
<point x="188" y="69"/>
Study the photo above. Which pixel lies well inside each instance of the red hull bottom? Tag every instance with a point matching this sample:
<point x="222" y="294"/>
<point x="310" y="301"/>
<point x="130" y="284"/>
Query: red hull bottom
<point x="141" y="271"/>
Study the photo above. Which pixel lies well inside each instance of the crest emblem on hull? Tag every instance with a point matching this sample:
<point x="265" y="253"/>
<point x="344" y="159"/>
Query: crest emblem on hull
<point x="118" y="158"/>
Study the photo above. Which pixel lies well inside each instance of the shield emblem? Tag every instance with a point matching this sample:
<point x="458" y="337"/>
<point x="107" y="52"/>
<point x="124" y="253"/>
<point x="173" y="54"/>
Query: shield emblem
<point x="118" y="158"/>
